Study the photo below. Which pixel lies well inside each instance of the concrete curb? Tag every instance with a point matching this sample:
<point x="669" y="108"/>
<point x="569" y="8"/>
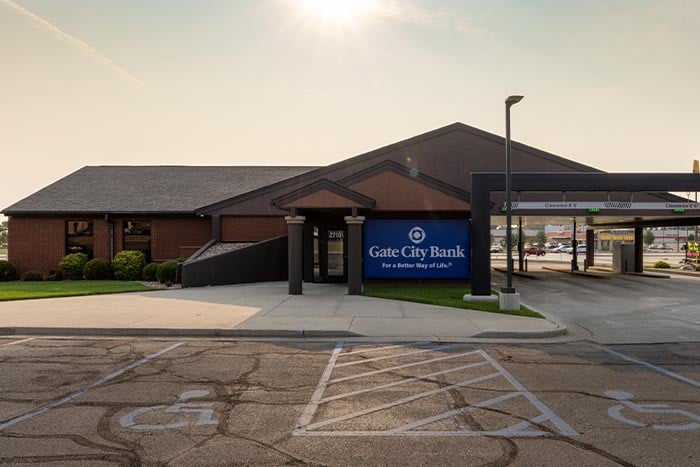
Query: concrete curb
<point x="592" y="275"/>
<point x="253" y="333"/>
<point x="561" y="330"/>
<point x="674" y="272"/>
<point x="174" y="332"/>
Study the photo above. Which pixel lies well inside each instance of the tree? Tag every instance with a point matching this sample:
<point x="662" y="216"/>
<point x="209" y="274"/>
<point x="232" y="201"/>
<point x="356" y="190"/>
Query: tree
<point x="648" y="237"/>
<point x="541" y="238"/>
<point x="3" y="232"/>
<point x="514" y="239"/>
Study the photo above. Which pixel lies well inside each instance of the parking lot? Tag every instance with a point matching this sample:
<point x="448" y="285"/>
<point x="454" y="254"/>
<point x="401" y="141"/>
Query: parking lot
<point x="216" y="402"/>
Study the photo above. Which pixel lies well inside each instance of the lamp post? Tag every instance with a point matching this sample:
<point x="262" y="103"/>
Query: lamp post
<point x="509" y="289"/>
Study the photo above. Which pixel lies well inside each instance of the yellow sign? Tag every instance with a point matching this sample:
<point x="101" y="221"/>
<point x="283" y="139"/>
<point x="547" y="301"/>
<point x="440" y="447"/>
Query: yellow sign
<point x="617" y="237"/>
<point x="696" y="166"/>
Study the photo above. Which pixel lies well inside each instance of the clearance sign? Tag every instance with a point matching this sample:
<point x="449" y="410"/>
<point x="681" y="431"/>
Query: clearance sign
<point x="417" y="249"/>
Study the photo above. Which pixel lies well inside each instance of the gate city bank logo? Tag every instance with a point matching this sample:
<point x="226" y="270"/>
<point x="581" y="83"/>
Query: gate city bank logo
<point x="416" y="235"/>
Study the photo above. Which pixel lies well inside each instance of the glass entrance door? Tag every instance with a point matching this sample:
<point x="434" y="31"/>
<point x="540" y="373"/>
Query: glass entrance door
<point x="330" y="255"/>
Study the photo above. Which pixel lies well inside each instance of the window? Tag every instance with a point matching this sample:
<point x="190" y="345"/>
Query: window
<point x="79" y="237"/>
<point x="137" y="236"/>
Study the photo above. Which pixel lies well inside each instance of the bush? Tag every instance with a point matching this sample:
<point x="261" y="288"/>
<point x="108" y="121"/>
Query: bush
<point x="98" y="269"/>
<point x="167" y="271"/>
<point x="72" y="265"/>
<point x="32" y="276"/>
<point x="180" y="259"/>
<point x="7" y="271"/>
<point x="662" y="265"/>
<point x="128" y="265"/>
<point x="54" y="275"/>
<point x="150" y="272"/>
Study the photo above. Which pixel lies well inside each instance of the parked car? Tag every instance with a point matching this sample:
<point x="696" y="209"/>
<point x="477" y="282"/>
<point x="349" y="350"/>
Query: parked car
<point x="561" y="249"/>
<point x="496" y="249"/>
<point x="579" y="249"/>
<point x="660" y="247"/>
<point x="534" y="250"/>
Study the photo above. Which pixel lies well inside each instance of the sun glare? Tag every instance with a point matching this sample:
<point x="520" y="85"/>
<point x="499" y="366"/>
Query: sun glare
<point x="341" y="11"/>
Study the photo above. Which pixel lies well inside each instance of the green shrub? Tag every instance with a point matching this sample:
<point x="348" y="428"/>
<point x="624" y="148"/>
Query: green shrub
<point x="167" y="272"/>
<point x="662" y="265"/>
<point x="72" y="265"/>
<point x="98" y="269"/>
<point x="32" y="276"/>
<point x="54" y="275"/>
<point x="128" y="265"/>
<point x="150" y="272"/>
<point x="180" y="259"/>
<point x="7" y="271"/>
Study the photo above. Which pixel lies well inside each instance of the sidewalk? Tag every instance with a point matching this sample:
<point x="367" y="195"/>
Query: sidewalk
<point x="260" y="310"/>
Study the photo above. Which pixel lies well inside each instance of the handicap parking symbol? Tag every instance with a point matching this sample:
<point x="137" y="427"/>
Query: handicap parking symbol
<point x="182" y="406"/>
<point x="616" y="412"/>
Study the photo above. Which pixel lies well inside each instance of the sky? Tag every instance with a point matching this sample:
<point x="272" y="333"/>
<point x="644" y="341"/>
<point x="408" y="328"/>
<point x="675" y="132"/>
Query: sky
<point x="608" y="83"/>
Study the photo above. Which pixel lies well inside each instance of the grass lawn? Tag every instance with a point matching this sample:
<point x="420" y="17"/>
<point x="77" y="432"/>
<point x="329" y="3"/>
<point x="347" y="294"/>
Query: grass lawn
<point x="18" y="290"/>
<point x="445" y="295"/>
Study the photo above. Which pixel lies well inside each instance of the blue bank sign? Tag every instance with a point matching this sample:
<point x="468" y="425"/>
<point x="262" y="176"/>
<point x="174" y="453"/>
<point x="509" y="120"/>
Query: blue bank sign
<point x="417" y="249"/>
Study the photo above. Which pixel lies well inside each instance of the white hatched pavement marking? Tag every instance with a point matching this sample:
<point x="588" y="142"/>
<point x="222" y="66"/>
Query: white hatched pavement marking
<point x="51" y="405"/>
<point x="563" y="427"/>
<point x="649" y="365"/>
<point x="399" y="367"/>
<point x="452" y="413"/>
<point x="306" y="428"/>
<point x="21" y="341"/>
<point x="398" y="383"/>
<point x="377" y="349"/>
<point x="312" y="406"/>
<point x="386" y="357"/>
<point x="401" y="401"/>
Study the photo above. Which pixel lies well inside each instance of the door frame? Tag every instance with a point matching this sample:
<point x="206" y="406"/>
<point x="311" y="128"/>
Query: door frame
<point x="323" y="229"/>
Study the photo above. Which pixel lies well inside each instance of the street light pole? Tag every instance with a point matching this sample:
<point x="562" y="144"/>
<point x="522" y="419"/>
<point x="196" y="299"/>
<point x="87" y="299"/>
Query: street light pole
<point x="510" y="101"/>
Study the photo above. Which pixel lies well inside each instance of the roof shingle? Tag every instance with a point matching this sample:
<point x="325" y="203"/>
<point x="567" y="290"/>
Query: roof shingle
<point x="149" y="189"/>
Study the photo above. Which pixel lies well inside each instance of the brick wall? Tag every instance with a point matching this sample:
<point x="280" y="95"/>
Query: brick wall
<point x="39" y="244"/>
<point x="173" y="238"/>
<point x="251" y="228"/>
<point x="36" y="244"/>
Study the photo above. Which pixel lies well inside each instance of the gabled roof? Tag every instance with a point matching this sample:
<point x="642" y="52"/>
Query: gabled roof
<point x="324" y="185"/>
<point x="378" y="154"/>
<point x="395" y="167"/>
<point x="148" y="189"/>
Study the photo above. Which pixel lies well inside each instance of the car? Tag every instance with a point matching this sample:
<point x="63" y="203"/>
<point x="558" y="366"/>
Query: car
<point x="660" y="247"/>
<point x="496" y="249"/>
<point x="533" y="250"/>
<point x="561" y="249"/>
<point x="579" y="249"/>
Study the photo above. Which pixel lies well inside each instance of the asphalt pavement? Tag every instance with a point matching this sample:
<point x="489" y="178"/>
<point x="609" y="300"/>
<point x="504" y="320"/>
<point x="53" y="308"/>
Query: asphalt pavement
<point x="610" y="308"/>
<point x="217" y="402"/>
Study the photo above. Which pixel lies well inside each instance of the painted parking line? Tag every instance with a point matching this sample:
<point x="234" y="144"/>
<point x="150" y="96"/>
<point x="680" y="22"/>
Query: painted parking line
<point x="526" y="427"/>
<point x="54" y="404"/>
<point x="392" y="356"/>
<point x="400" y="367"/>
<point x="21" y="341"/>
<point x="659" y="369"/>
<point x="377" y="349"/>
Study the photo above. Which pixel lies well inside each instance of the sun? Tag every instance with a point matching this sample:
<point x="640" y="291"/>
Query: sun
<point x="340" y="11"/>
